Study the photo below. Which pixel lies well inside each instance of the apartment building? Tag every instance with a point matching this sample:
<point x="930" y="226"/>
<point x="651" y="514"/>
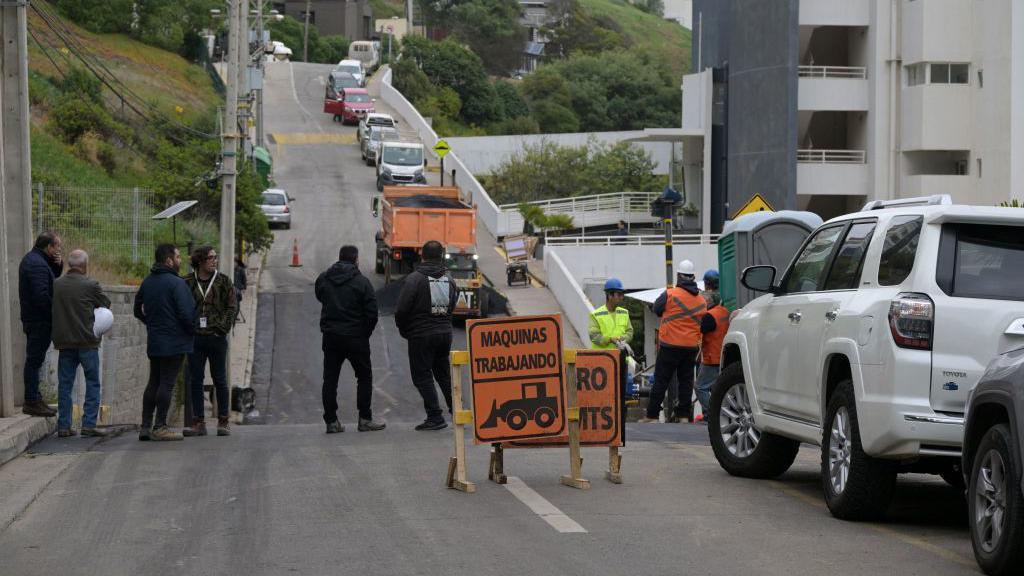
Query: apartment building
<point x="826" y="104"/>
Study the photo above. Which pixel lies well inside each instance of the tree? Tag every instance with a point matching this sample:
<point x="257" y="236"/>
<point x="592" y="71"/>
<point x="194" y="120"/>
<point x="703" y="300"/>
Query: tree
<point x="578" y="32"/>
<point x="449" y="64"/>
<point x="491" y="29"/>
<point x="512" y="103"/>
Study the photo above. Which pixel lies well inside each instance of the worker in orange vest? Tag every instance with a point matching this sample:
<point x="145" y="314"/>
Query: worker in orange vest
<point x="713" y="327"/>
<point x="681" y="309"/>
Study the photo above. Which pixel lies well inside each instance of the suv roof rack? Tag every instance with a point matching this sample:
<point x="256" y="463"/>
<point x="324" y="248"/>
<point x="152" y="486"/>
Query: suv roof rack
<point x="934" y="200"/>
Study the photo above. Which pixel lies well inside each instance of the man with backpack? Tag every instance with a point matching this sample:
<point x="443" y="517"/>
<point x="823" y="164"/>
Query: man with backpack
<point x="424" y="318"/>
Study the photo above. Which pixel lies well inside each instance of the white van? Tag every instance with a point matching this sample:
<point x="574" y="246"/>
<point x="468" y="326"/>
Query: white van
<point x="400" y="163"/>
<point x="366" y="52"/>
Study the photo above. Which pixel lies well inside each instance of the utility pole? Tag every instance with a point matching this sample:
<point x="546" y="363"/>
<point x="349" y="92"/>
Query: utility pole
<point x="260" y="63"/>
<point x="229" y="139"/>
<point x="15" y="192"/>
<point x="243" y="75"/>
<point x="305" y="33"/>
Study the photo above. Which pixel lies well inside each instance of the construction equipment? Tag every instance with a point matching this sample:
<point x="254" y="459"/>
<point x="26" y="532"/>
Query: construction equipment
<point x="412" y="215"/>
<point x="516" y="257"/>
<point x="534" y="406"/>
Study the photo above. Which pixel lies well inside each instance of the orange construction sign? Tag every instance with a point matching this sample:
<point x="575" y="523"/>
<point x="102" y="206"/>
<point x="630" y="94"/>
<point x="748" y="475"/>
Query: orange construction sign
<point x="516" y="373"/>
<point x="599" y="394"/>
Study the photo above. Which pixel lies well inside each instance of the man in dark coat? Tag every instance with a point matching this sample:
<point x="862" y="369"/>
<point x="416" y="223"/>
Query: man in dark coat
<point x="164" y="304"/>
<point x="347" y="318"/>
<point x="424" y="318"/>
<point x="38" y="269"/>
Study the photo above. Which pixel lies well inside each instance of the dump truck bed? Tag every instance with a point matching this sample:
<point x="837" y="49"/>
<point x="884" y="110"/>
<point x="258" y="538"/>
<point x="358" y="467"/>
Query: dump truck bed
<point x="412" y="215"/>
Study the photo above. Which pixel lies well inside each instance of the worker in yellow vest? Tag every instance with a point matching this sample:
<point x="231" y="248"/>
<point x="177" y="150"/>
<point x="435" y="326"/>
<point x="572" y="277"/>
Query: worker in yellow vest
<point x="609" y="325"/>
<point x="681" y="309"/>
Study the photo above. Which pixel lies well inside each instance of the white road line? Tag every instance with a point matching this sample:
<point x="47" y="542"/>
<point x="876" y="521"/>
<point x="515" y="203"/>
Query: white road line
<point x="541" y="507"/>
<point x="295" y="95"/>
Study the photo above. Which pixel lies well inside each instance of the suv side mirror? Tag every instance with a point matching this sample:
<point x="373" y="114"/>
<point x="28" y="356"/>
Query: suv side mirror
<point x="759" y="278"/>
<point x="375" y="206"/>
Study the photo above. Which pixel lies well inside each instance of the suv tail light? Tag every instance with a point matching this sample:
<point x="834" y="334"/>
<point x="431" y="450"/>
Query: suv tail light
<point x="286" y="210"/>
<point x="911" y="317"/>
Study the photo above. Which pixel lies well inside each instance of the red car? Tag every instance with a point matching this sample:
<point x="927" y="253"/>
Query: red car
<point x="355" y="105"/>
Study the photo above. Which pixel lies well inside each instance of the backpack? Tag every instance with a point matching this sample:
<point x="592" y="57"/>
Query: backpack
<point x="440" y="295"/>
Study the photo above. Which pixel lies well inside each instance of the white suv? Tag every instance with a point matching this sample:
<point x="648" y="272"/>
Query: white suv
<point x="868" y="345"/>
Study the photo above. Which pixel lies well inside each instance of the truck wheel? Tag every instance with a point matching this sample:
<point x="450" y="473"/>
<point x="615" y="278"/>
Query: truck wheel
<point x="996" y="505"/>
<point x="741" y="449"/>
<point x="387" y="268"/>
<point x="368" y="161"/>
<point x="380" y="185"/>
<point x="378" y="266"/>
<point x="516" y="419"/>
<point x="544" y="417"/>
<point x="856" y="486"/>
<point x="484" y="302"/>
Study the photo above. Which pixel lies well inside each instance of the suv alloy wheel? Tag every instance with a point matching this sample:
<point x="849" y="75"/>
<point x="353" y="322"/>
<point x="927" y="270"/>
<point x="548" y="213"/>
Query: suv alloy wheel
<point x="741" y="449"/>
<point x="857" y="486"/>
<point x="996" y="505"/>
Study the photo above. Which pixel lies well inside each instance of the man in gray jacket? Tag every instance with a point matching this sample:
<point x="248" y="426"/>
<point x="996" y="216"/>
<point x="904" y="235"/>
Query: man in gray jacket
<point x="75" y="299"/>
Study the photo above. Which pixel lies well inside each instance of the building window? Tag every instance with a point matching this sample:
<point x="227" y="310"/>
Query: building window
<point x="938" y="73"/>
<point x="915" y="74"/>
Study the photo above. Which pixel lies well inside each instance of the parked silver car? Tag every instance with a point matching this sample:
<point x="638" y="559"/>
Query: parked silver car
<point x="276" y="207"/>
<point x="993" y="454"/>
<point x="371" y="144"/>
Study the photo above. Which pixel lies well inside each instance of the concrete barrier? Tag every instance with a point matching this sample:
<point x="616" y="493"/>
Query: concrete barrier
<point x="570" y="297"/>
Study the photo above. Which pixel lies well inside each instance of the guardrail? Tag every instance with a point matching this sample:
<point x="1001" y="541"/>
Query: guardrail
<point x="567" y="292"/>
<point x="831" y="156"/>
<point x="592" y="210"/>
<point x="855" y="72"/>
<point x="638" y="240"/>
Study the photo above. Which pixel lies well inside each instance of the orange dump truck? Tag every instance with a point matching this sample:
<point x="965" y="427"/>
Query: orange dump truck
<point x="412" y="215"/>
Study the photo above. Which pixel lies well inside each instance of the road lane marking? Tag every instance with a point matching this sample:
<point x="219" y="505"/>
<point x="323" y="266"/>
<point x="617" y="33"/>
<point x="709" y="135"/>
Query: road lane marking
<point x="300" y="138"/>
<point x="295" y="95"/>
<point x="541" y="507"/>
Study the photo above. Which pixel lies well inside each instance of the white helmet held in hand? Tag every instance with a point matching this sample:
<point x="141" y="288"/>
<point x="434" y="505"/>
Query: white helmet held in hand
<point x="686" y="267"/>
<point x="103" y="321"/>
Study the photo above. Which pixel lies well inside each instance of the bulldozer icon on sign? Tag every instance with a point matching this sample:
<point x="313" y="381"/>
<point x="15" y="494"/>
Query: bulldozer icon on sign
<point x="535" y="405"/>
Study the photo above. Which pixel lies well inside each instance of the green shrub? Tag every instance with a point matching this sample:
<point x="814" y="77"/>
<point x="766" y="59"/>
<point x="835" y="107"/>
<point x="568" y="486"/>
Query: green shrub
<point x="72" y="117"/>
<point x="79" y="82"/>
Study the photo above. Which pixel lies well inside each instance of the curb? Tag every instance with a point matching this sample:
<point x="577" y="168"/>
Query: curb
<point x="22" y="432"/>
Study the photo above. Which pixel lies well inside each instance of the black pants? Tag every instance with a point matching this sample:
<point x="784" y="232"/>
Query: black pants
<point x="37" y="342"/>
<point x="214" y="349"/>
<point x="356" y="350"/>
<point x="428" y="361"/>
<point x="681" y="363"/>
<point x="163" y="374"/>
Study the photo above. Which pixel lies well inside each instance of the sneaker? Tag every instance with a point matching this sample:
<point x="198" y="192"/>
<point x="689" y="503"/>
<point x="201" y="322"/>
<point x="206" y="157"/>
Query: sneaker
<point x="648" y="420"/>
<point x="67" y="433"/>
<point x="165" y="434"/>
<point x="95" y="432"/>
<point x="223" y="427"/>
<point x="198" y="429"/>
<point x="38" y="408"/>
<point x="371" y="425"/>
<point x="335" y="427"/>
<point x="432" y="425"/>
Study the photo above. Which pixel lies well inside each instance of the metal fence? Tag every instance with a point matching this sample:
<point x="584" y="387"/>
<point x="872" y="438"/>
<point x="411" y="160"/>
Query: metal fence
<point x="114" y="225"/>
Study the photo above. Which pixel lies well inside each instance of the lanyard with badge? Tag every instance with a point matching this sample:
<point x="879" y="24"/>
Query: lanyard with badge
<point x="204" y="293"/>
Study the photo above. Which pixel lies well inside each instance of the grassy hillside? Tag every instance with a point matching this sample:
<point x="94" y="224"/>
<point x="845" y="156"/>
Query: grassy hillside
<point x="667" y="40"/>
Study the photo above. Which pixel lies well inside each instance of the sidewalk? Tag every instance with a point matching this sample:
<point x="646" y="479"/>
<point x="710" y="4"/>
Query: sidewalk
<point x="19" y="432"/>
<point x="243" y="336"/>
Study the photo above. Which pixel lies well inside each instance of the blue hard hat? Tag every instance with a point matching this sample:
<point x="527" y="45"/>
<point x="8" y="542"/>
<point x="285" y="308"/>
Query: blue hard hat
<point x="614" y="284"/>
<point x="711" y="274"/>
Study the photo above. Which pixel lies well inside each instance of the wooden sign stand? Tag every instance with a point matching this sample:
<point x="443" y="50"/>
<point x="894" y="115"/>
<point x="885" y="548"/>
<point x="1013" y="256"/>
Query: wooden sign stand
<point x="575" y="478"/>
<point x="496" y="471"/>
<point x="613" y="474"/>
<point x="457" y="464"/>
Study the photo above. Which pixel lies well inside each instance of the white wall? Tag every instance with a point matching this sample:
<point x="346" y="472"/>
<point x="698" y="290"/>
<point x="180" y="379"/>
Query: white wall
<point x="839" y="94"/>
<point x="937" y="117"/>
<point x="483" y="154"/>
<point x="832" y="179"/>
<point x="681" y="11"/>
<point x="568" y="294"/>
<point x="639" y="267"/>
<point x="939" y="30"/>
<point x="834" y="13"/>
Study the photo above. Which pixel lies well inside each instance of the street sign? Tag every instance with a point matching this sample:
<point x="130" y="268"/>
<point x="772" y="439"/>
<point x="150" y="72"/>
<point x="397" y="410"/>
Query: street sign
<point x="599" y="394"/>
<point x="441" y="148"/>
<point x="756" y="204"/>
<point x="516" y="374"/>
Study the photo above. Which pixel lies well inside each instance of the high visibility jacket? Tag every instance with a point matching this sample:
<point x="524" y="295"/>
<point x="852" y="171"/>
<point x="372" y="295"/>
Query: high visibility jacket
<point x="711" y="342"/>
<point x="605" y="325"/>
<point x="680" y="323"/>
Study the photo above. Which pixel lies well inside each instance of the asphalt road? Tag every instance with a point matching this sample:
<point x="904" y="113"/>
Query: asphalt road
<point x="284" y="498"/>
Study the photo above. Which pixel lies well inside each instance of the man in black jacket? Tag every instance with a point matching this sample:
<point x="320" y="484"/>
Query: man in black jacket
<point x="38" y="269"/>
<point x="347" y="319"/>
<point x="424" y="318"/>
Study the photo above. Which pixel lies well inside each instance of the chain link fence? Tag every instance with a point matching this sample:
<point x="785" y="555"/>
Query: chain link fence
<point x="114" y="225"/>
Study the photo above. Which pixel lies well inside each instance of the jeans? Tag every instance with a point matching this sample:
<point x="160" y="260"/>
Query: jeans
<point x="163" y="374"/>
<point x="678" y="361"/>
<point x="37" y="335"/>
<point x="214" y="349"/>
<point x="428" y="361"/>
<point x="356" y="350"/>
<point x="67" y="368"/>
<point x="706" y="377"/>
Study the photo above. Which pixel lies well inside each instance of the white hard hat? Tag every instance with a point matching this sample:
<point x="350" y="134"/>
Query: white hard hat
<point x="686" y="267"/>
<point x="103" y="321"/>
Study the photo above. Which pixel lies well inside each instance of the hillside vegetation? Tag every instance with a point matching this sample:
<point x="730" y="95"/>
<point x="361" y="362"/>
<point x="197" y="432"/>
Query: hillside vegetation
<point x="664" y="40"/>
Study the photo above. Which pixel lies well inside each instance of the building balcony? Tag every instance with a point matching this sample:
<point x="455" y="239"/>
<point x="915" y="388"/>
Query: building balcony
<point x="832" y="173"/>
<point x="835" y="13"/>
<point x="959" y="187"/>
<point x="936" y="117"/>
<point x="833" y="88"/>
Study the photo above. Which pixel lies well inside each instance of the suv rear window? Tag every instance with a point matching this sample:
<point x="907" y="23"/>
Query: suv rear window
<point x="899" y="250"/>
<point x="982" y="261"/>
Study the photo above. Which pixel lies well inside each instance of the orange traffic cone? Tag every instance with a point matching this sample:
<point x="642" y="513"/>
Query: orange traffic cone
<point x="295" y="254"/>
